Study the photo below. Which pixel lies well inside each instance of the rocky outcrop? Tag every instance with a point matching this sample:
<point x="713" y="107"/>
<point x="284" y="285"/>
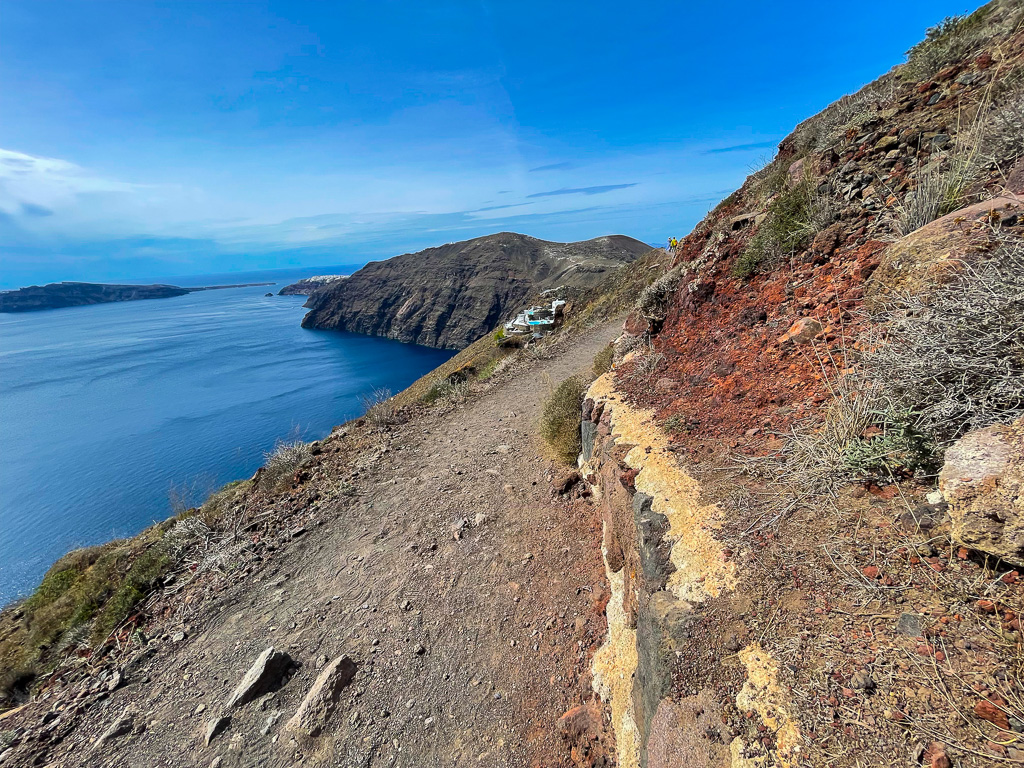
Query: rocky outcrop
<point x="452" y="295"/>
<point x="266" y="674"/>
<point x="670" y="621"/>
<point x="321" y="701"/>
<point x="983" y="482"/>
<point x="57" y="295"/>
<point x="307" y="285"/>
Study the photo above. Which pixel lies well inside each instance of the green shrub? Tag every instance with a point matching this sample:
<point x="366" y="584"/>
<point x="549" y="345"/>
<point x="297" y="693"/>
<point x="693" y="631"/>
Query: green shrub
<point x="560" y="421"/>
<point x="603" y="360"/>
<point x="793" y="218"/>
<point x="675" y="423"/>
<point x="899" y="449"/>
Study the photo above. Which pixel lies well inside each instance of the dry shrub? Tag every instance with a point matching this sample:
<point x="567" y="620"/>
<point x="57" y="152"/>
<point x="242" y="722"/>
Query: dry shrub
<point x="282" y="462"/>
<point x="381" y="410"/>
<point x="654" y="299"/>
<point x="1003" y="142"/>
<point x="603" y="360"/>
<point x="560" y="421"/>
<point x="448" y="391"/>
<point x="645" y="361"/>
<point x="937" y="366"/>
<point x="955" y="357"/>
<point x="922" y="204"/>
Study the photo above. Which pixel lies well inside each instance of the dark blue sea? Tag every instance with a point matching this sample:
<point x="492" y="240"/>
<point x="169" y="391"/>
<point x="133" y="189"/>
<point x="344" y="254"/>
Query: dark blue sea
<point x="105" y="409"/>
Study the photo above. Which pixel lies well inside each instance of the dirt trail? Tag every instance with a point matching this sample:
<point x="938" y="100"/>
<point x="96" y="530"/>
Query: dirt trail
<point x="469" y="648"/>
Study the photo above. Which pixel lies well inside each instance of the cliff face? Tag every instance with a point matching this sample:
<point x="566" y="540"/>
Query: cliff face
<point x="451" y="295"/>
<point x="57" y="295"/>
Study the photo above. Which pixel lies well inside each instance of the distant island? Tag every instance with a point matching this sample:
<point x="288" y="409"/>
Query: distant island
<point x="58" y="295"/>
<point x="307" y="285"/>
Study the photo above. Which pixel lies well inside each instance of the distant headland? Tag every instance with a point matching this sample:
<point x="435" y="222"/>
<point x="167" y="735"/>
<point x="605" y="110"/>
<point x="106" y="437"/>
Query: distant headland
<point x="68" y="294"/>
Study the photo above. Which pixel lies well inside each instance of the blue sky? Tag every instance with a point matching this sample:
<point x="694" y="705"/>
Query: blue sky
<point x="143" y="139"/>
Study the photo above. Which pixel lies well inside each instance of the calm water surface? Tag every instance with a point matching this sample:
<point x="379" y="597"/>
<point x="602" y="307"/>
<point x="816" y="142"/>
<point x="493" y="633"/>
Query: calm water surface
<point x="105" y="409"/>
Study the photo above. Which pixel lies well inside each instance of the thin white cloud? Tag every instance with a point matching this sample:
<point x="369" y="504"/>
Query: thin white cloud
<point x="33" y="182"/>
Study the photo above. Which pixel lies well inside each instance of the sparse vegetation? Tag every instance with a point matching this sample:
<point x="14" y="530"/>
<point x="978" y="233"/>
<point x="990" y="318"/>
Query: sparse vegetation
<point x="88" y="593"/>
<point x="1003" y="142"/>
<point x="955" y="358"/>
<point x="793" y="218"/>
<point x="645" y="362"/>
<point x="281" y="462"/>
<point x="949" y="41"/>
<point x="381" y="410"/>
<point x="447" y="390"/>
<point x="560" y="421"/>
<point x="852" y="110"/>
<point x="941" y="365"/>
<point x="603" y="360"/>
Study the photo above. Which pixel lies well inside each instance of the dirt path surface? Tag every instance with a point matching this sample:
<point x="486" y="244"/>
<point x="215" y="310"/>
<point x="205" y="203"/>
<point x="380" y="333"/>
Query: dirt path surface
<point x="471" y="638"/>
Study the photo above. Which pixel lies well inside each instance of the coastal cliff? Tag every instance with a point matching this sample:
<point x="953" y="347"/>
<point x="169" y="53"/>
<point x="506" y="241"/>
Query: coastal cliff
<point x="451" y="295"/>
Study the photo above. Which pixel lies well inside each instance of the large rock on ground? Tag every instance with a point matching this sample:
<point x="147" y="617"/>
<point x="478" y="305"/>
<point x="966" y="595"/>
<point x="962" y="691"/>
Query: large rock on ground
<point x="266" y="674"/>
<point x="983" y="482"/>
<point x="321" y="701"/>
<point x="929" y="255"/>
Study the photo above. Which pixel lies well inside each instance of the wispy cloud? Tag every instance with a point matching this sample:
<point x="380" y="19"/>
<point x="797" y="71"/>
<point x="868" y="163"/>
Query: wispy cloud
<point x="498" y="207"/>
<point x="31" y="209"/>
<point x="600" y="190"/>
<point x="553" y="167"/>
<point x="741" y="147"/>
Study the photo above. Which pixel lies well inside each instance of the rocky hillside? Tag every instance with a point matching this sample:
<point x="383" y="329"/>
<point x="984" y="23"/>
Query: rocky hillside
<point x="808" y="457"/>
<point x="451" y="295"/>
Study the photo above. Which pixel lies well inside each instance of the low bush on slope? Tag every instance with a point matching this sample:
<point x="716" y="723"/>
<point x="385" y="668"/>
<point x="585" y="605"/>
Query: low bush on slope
<point x="560" y="421"/>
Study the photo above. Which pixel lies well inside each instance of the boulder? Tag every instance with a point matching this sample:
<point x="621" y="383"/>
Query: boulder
<point x="266" y="674"/>
<point x="321" y="701"/>
<point x="930" y="254"/>
<point x="215" y="728"/>
<point x="801" y="332"/>
<point x="982" y="480"/>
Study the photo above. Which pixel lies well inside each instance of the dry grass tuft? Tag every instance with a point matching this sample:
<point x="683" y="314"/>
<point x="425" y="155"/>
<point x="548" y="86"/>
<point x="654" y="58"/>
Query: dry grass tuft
<point x="381" y="409"/>
<point x="282" y="462"/>
<point x="560" y="421"/>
